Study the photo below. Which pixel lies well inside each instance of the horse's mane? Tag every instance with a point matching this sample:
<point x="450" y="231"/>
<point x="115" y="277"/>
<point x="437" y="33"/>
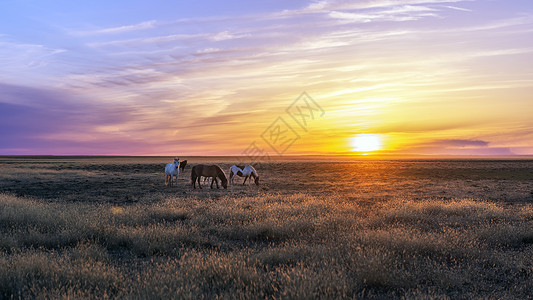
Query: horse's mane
<point x="220" y="173"/>
<point x="255" y="175"/>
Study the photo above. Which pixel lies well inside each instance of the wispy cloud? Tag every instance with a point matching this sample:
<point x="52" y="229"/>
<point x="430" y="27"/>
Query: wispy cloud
<point x="17" y="58"/>
<point x="458" y="147"/>
<point x="149" y="40"/>
<point x="458" y="8"/>
<point x="370" y="4"/>
<point x="120" y="29"/>
<point x="226" y="35"/>
<point x="402" y="14"/>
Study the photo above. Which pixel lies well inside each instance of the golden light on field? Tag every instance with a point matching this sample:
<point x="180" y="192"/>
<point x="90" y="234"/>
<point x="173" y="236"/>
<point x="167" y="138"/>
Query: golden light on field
<point x="366" y="142"/>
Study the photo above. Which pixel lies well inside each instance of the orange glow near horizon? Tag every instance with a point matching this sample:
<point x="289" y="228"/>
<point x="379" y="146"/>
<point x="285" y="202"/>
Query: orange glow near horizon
<point x="367" y="143"/>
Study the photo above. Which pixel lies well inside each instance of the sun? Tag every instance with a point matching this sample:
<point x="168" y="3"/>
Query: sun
<point x="366" y="142"/>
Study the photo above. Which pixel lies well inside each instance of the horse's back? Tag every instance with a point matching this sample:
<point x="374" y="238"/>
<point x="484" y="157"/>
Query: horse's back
<point x="236" y="168"/>
<point x="206" y="170"/>
<point x="249" y="170"/>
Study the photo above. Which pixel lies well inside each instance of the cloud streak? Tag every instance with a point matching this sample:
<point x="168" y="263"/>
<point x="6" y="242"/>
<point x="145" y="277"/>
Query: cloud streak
<point x="457" y="147"/>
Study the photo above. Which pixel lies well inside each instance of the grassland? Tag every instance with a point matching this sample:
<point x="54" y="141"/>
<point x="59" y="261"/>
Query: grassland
<point x="109" y="228"/>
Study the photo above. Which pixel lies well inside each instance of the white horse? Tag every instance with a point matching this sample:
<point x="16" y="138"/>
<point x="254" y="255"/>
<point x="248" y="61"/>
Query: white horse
<point x="172" y="170"/>
<point x="246" y="172"/>
<point x="234" y="171"/>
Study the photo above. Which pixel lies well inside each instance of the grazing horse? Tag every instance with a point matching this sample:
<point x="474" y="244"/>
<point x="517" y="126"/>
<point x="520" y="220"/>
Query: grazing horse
<point x="246" y="172"/>
<point x="213" y="171"/>
<point x="172" y="170"/>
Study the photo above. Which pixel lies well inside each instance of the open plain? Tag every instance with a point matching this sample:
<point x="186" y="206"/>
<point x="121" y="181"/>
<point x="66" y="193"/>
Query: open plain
<point x="108" y="227"/>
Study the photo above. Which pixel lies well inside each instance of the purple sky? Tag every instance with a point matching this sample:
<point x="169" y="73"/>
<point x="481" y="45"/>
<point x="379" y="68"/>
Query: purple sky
<point x="209" y="77"/>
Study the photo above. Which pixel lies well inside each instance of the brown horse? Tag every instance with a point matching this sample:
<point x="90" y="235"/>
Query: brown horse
<point x="213" y="171"/>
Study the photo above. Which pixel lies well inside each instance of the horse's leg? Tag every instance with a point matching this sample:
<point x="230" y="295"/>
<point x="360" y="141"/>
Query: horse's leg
<point x="166" y="179"/>
<point x="232" y="179"/>
<point x="246" y="177"/>
<point x="216" y="181"/>
<point x="212" y="181"/>
<point x="199" y="185"/>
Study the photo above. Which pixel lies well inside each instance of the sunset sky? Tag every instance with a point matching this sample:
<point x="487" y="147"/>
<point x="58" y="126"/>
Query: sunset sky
<point x="218" y="77"/>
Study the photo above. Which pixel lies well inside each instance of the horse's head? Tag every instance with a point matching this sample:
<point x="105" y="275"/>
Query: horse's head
<point x="222" y="176"/>
<point x="177" y="162"/>
<point x="256" y="180"/>
<point x="224" y="182"/>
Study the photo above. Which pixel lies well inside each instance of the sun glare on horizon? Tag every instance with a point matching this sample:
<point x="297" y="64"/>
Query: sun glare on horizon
<point x="366" y="143"/>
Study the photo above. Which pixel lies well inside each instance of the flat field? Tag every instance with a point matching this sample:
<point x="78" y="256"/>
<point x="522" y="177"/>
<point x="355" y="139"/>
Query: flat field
<point x="108" y="227"/>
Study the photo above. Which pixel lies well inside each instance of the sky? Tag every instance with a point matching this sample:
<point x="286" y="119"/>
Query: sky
<point x="259" y="78"/>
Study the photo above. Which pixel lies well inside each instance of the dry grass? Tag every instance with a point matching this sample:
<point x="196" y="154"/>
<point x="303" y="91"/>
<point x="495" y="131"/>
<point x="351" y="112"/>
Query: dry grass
<point x="265" y="246"/>
<point x="250" y="243"/>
